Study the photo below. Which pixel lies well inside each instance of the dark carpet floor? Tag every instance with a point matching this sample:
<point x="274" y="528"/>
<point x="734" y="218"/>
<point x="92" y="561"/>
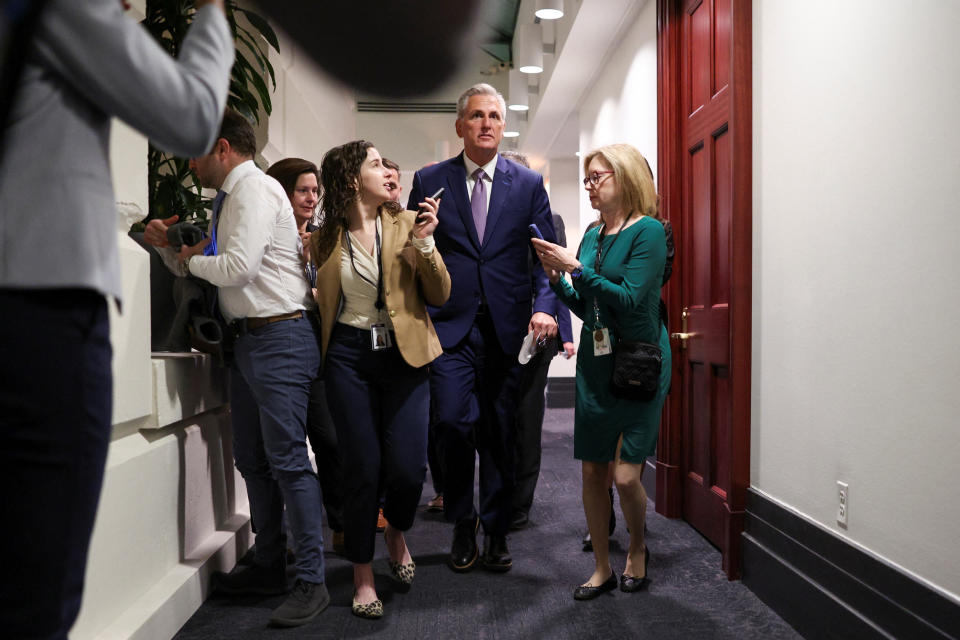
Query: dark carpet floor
<point x="688" y="597"/>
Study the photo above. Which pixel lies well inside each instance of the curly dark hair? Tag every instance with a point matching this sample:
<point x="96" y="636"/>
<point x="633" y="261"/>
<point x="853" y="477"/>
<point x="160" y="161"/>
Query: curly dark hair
<point x="289" y="170"/>
<point x="340" y="177"/>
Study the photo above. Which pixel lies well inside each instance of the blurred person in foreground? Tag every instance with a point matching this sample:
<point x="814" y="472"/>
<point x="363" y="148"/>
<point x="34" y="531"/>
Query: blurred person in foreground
<point x="88" y="63"/>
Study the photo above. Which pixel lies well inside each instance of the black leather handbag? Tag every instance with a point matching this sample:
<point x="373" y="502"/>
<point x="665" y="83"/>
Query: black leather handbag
<point x="636" y="370"/>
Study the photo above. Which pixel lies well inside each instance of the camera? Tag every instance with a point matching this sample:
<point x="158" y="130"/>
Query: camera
<point x="183" y="233"/>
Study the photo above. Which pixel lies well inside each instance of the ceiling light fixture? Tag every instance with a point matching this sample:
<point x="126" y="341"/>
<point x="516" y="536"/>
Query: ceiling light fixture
<point x="518" y="92"/>
<point x="549" y="9"/>
<point x="529" y="45"/>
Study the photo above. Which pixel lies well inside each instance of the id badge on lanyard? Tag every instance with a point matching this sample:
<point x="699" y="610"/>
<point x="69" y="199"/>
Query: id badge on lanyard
<point x="601" y="336"/>
<point x="379" y="334"/>
<point x="380" y="337"/>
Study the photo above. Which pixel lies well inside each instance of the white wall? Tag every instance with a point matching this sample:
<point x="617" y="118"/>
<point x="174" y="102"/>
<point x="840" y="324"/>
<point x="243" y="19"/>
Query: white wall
<point x="311" y="111"/>
<point x="857" y="273"/>
<point x="618" y="104"/>
<point x="622" y="104"/>
<point x="411" y="140"/>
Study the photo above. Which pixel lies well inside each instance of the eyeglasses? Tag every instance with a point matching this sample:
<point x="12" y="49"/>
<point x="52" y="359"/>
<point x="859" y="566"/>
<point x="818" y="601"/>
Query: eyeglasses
<point x="595" y="178"/>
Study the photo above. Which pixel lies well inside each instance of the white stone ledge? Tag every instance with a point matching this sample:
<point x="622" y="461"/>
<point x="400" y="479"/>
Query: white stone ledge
<point x="186" y="385"/>
<point x="176" y="596"/>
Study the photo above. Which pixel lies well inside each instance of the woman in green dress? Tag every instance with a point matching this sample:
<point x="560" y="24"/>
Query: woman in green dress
<point x="615" y="290"/>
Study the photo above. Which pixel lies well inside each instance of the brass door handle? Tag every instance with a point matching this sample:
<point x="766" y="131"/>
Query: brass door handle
<point x="682" y="337"/>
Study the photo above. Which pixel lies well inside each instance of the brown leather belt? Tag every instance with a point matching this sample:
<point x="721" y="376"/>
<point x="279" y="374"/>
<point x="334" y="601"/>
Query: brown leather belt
<point x="249" y="324"/>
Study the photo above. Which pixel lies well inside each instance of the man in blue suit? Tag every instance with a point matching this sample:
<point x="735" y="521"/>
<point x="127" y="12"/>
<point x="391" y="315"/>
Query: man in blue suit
<point x="483" y="237"/>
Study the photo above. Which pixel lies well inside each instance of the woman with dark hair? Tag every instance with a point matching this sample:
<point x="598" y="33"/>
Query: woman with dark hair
<point x="377" y="271"/>
<point x="299" y="178"/>
<point x="616" y="291"/>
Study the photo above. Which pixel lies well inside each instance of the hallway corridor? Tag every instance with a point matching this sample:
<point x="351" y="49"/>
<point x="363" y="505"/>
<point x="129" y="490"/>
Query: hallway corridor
<point x="689" y="597"/>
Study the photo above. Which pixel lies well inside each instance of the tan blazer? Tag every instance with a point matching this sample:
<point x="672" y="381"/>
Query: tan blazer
<point x="410" y="281"/>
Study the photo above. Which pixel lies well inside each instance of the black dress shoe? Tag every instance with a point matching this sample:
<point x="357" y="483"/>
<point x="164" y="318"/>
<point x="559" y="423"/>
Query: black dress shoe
<point x="586" y="592"/>
<point x="587" y="542"/>
<point x="629" y="584"/>
<point x="496" y="557"/>
<point x="463" y="551"/>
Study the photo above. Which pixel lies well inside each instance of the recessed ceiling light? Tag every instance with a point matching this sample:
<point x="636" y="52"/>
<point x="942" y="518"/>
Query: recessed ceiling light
<point x="511" y="134"/>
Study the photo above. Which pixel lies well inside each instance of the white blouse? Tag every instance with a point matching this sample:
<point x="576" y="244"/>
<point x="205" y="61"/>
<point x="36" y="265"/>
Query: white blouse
<point x="359" y="296"/>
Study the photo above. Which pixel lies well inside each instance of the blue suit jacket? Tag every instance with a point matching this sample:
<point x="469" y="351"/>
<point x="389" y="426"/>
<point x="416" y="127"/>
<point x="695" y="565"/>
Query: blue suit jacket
<point x="496" y="270"/>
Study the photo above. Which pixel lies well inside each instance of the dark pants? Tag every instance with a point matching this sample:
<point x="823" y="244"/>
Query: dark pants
<point x="277" y="364"/>
<point x="530" y="427"/>
<point x="475" y="387"/>
<point x="380" y="407"/>
<point x="433" y="453"/>
<point x="323" y="440"/>
<point x="55" y="415"/>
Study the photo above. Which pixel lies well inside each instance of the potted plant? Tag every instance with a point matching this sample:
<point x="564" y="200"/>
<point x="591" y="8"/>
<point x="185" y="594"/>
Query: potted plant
<point x="173" y="187"/>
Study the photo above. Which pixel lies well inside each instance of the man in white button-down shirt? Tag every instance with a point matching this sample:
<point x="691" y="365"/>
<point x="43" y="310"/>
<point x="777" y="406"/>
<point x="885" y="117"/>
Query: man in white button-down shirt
<point x="263" y="294"/>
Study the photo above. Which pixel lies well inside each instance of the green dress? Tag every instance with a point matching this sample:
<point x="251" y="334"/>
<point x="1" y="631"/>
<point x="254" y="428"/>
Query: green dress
<point x="627" y="292"/>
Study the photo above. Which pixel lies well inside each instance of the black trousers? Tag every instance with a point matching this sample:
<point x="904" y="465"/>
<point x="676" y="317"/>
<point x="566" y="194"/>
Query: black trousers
<point x="530" y="427"/>
<point x="55" y="415"/>
<point x="322" y="434"/>
<point x="380" y="407"/>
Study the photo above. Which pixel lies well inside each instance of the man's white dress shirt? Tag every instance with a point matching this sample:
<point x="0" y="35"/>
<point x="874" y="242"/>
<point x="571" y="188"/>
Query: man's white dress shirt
<point x="258" y="268"/>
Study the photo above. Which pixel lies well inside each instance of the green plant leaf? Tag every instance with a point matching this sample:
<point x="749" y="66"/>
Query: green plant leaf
<point x="263" y="27"/>
<point x="257" y="82"/>
<point x="173" y="187"/>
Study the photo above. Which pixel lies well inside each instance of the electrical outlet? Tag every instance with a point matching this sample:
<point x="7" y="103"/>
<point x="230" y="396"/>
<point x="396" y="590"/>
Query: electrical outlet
<point x="843" y="508"/>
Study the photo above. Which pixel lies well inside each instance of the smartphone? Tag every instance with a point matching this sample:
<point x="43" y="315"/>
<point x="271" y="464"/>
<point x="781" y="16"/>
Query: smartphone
<point x="435" y="196"/>
<point x="535" y="232"/>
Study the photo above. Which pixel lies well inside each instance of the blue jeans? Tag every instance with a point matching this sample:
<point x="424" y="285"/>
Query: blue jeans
<point x="380" y="406"/>
<point x="277" y="364"/>
<point x="55" y="413"/>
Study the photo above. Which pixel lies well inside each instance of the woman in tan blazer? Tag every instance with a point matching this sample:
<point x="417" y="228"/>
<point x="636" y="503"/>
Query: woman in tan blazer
<point x="378" y="269"/>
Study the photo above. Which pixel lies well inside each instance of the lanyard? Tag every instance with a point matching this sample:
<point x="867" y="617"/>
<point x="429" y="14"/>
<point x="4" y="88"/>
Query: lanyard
<point x="599" y="263"/>
<point x="379" y="304"/>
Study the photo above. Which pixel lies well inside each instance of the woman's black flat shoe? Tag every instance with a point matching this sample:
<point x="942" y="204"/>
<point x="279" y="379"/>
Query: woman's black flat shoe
<point x="585" y="592"/>
<point x="629" y="584"/>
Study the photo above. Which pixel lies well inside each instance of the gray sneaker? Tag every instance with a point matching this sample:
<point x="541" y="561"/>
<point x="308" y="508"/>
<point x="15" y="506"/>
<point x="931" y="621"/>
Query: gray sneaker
<point x="304" y="603"/>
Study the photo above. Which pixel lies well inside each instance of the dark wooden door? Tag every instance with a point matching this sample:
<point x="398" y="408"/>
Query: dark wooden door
<point x="706" y="193"/>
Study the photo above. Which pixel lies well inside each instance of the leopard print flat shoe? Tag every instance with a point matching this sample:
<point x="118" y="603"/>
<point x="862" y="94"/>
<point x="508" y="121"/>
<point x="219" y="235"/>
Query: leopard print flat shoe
<point x="403" y="572"/>
<point x="371" y="610"/>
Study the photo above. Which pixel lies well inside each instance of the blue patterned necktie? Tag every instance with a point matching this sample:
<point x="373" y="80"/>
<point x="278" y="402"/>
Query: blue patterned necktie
<point x="211" y="249"/>
<point x="478" y="203"/>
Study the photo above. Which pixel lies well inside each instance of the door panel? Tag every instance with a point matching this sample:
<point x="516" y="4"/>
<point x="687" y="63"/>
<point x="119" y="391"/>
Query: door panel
<point x="721" y="44"/>
<point x="723" y="206"/>
<point x="705" y="166"/>
<point x="699" y="51"/>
